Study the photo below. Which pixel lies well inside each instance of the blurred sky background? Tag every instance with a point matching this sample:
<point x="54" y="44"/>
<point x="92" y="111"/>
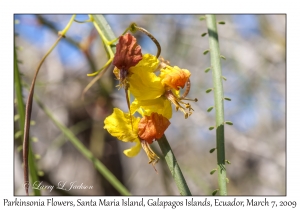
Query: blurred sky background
<point x="255" y="68"/>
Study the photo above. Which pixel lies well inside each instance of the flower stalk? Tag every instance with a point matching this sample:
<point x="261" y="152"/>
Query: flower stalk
<point x="173" y="166"/>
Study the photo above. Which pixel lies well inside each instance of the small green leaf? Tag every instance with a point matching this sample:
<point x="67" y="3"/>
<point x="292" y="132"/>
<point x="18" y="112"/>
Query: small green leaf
<point x="211" y="128"/>
<point x="18" y="134"/>
<point x="227" y="180"/>
<point x="213" y="171"/>
<point x="228" y="123"/>
<point x="32" y="122"/>
<point x="202" y="18"/>
<point x="227" y="161"/>
<point x="222" y="22"/>
<point x="212" y="150"/>
<point x="206" y="51"/>
<point x="215" y="192"/>
<point x="207" y="69"/>
<point x="223" y="57"/>
<point x="224" y="78"/>
<point x="204" y="34"/>
<point x="210" y="108"/>
<point x="37" y="156"/>
<point x="228" y="99"/>
<point x="208" y="90"/>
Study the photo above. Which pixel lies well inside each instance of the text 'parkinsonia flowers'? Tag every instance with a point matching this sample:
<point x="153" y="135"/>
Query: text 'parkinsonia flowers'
<point x="155" y="85"/>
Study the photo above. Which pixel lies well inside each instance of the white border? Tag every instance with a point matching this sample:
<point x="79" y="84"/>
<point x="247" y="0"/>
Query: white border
<point x="8" y="8"/>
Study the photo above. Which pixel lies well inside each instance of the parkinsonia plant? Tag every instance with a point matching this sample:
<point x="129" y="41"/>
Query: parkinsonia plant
<point x="219" y="98"/>
<point x="154" y="85"/>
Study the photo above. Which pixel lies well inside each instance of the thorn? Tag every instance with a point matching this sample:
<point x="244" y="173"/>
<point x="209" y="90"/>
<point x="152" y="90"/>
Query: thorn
<point x="228" y="123"/>
<point x="228" y="99"/>
<point x="212" y="150"/>
<point x="210" y="108"/>
<point x="208" y="90"/>
<point x="213" y="171"/>
<point x="206" y="51"/>
<point x="202" y="18"/>
<point x="215" y="192"/>
<point x="207" y="69"/>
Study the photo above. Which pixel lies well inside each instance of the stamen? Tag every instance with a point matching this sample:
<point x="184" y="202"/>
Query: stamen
<point x="189" y="99"/>
<point x="153" y="158"/>
<point x="178" y="101"/>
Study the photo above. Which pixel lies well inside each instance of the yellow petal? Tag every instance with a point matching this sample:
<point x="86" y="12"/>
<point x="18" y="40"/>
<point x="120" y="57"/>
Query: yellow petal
<point x="174" y="77"/>
<point x="133" y="151"/>
<point x="118" y="124"/>
<point x="159" y="105"/>
<point x="148" y="63"/>
<point x="143" y="83"/>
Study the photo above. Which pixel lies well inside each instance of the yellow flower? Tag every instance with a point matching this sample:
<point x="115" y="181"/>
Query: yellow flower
<point x="146" y="86"/>
<point x="174" y="78"/>
<point x="118" y="124"/>
<point x="143" y="132"/>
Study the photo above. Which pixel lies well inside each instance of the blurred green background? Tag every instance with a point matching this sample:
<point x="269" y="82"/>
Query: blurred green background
<point x="255" y="68"/>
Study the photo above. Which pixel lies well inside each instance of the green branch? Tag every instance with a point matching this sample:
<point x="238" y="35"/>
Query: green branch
<point x="105" y="32"/>
<point x="218" y="97"/>
<point x="173" y="166"/>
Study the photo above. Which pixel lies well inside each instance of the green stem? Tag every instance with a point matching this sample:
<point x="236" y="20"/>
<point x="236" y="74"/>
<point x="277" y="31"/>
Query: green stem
<point x="85" y="152"/>
<point x="105" y="32"/>
<point x="218" y="97"/>
<point x="21" y="111"/>
<point x="173" y="166"/>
